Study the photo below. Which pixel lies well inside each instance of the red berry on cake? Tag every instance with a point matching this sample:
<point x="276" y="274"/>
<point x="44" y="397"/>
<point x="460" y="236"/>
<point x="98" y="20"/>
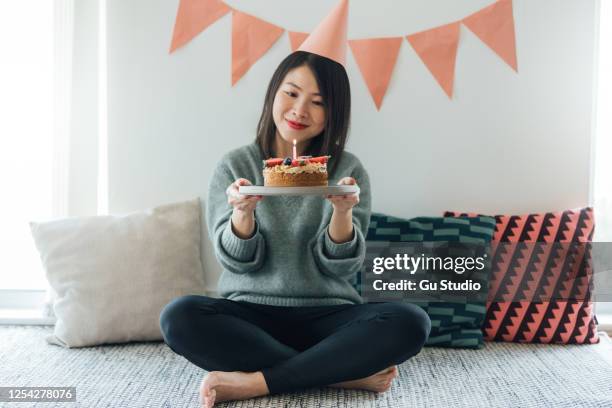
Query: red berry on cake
<point x="273" y="162"/>
<point x="319" y="159"/>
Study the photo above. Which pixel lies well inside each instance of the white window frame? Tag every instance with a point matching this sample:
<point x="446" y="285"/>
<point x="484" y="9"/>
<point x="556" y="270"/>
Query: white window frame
<point x="603" y="310"/>
<point x="19" y="306"/>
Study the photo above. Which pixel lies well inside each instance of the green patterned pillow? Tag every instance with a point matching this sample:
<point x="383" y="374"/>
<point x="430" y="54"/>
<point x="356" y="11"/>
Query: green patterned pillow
<point x="452" y="324"/>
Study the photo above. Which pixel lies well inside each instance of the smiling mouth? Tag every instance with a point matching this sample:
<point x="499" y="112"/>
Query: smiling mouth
<point x="295" y="125"/>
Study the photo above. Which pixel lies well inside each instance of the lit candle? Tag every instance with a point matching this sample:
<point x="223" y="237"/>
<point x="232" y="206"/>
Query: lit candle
<point x="294" y="150"/>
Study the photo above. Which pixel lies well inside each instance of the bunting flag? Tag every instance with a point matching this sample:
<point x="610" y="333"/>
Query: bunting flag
<point x="437" y="48"/>
<point x="376" y="58"/>
<point x="251" y="39"/>
<point x="193" y="17"/>
<point x="296" y="39"/>
<point x="329" y="37"/>
<point x="494" y="25"/>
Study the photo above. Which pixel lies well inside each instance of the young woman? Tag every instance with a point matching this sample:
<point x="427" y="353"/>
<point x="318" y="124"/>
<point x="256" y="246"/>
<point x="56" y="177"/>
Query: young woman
<point x="289" y="317"/>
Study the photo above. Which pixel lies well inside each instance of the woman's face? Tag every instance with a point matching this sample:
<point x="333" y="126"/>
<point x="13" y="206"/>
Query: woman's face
<point x="298" y="110"/>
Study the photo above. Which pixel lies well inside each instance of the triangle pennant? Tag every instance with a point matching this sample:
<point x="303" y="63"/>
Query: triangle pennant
<point x="329" y="38"/>
<point x="193" y="17"/>
<point x="296" y="39"/>
<point x="376" y="58"/>
<point x="251" y="39"/>
<point x="494" y="25"/>
<point x="437" y="48"/>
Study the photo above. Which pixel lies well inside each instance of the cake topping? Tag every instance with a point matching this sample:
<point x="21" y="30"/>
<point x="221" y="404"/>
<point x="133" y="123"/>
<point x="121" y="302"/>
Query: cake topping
<point x="299" y="162"/>
<point x="272" y="162"/>
<point x="320" y="159"/>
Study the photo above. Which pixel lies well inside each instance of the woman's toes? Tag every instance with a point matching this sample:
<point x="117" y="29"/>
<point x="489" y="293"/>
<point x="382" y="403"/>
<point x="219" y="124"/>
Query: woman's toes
<point x="207" y="391"/>
<point x="382" y="387"/>
<point x="387" y="380"/>
<point x="389" y="371"/>
<point x="211" y="398"/>
<point x="384" y="372"/>
<point x="207" y="401"/>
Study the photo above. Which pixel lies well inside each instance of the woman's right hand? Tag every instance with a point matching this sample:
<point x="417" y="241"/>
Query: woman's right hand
<point x="241" y="202"/>
<point x="243" y="216"/>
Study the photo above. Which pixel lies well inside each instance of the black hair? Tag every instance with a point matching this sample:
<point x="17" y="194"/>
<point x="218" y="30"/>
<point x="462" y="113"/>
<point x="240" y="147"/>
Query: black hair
<point x="336" y="93"/>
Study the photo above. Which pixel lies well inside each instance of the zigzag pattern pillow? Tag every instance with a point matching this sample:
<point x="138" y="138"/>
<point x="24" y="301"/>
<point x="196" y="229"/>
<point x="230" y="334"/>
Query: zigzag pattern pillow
<point x="555" y="321"/>
<point x="452" y="324"/>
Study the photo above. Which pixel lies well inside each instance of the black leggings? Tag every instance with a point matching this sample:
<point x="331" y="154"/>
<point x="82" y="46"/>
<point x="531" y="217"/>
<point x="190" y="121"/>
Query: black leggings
<point x="294" y="347"/>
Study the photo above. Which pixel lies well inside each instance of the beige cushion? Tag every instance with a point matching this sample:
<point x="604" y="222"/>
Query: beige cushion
<point x="112" y="275"/>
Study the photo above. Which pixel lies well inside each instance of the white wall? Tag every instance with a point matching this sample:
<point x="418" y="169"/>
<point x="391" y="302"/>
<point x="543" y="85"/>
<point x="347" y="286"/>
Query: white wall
<point x="83" y="168"/>
<point x="506" y="142"/>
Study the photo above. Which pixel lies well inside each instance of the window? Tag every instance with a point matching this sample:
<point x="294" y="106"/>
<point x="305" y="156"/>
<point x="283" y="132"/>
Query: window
<point x="602" y="186"/>
<point x="34" y="78"/>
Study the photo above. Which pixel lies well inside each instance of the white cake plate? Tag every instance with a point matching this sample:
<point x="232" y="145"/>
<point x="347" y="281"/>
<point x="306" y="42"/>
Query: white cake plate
<point x="298" y="191"/>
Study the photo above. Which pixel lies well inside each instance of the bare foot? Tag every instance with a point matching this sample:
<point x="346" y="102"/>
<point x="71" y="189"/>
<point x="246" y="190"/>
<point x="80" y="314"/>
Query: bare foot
<point x="378" y="382"/>
<point x="220" y="386"/>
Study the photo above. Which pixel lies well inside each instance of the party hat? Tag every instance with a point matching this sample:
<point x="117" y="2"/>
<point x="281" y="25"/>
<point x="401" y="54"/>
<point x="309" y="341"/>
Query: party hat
<point x="329" y="38"/>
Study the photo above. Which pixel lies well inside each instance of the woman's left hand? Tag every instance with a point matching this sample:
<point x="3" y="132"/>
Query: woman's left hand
<point x="343" y="203"/>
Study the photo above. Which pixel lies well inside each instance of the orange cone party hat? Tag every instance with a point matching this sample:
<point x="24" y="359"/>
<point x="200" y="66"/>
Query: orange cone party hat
<point x="329" y="38"/>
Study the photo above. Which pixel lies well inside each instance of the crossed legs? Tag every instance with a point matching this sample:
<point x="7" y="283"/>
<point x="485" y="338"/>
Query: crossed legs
<point x="253" y="350"/>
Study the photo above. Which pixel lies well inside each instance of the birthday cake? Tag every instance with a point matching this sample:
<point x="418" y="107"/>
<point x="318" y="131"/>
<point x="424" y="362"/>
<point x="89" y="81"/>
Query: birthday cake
<point x="300" y="172"/>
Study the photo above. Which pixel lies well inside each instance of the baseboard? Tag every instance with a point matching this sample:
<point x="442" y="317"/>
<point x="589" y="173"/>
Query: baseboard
<point x="604" y="323"/>
<point x="25" y="317"/>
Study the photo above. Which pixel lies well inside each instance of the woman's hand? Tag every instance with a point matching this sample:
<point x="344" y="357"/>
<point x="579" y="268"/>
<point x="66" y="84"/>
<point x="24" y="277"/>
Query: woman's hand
<point x="341" y="223"/>
<point x="243" y="216"/>
<point x="241" y="202"/>
<point x="344" y="203"/>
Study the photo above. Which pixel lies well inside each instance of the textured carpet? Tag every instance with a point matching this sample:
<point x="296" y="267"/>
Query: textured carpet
<point x="151" y="375"/>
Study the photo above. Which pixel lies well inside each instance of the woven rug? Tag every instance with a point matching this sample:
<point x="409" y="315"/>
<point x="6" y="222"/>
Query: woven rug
<point x="151" y="375"/>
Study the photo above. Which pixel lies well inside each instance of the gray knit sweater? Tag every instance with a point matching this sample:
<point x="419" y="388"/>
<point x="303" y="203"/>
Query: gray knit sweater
<point x="290" y="260"/>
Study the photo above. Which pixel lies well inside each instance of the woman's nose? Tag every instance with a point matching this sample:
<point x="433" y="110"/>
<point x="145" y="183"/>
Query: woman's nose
<point x="299" y="109"/>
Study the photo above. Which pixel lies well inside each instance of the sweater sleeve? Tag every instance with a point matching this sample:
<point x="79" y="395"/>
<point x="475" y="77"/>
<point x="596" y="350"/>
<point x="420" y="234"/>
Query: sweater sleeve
<point x="235" y="254"/>
<point x="345" y="259"/>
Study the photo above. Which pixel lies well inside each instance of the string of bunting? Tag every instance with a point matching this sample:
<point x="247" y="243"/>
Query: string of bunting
<point x="252" y="37"/>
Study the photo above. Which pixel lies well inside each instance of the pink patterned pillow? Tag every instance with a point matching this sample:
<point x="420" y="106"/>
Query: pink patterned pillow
<point x="554" y="321"/>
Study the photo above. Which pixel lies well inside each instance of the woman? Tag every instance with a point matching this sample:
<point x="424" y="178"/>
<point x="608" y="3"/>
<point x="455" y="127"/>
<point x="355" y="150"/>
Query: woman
<point x="290" y="318"/>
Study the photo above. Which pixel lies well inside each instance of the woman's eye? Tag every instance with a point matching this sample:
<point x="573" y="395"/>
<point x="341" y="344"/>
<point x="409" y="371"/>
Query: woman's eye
<point x="318" y="103"/>
<point x="291" y="94"/>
